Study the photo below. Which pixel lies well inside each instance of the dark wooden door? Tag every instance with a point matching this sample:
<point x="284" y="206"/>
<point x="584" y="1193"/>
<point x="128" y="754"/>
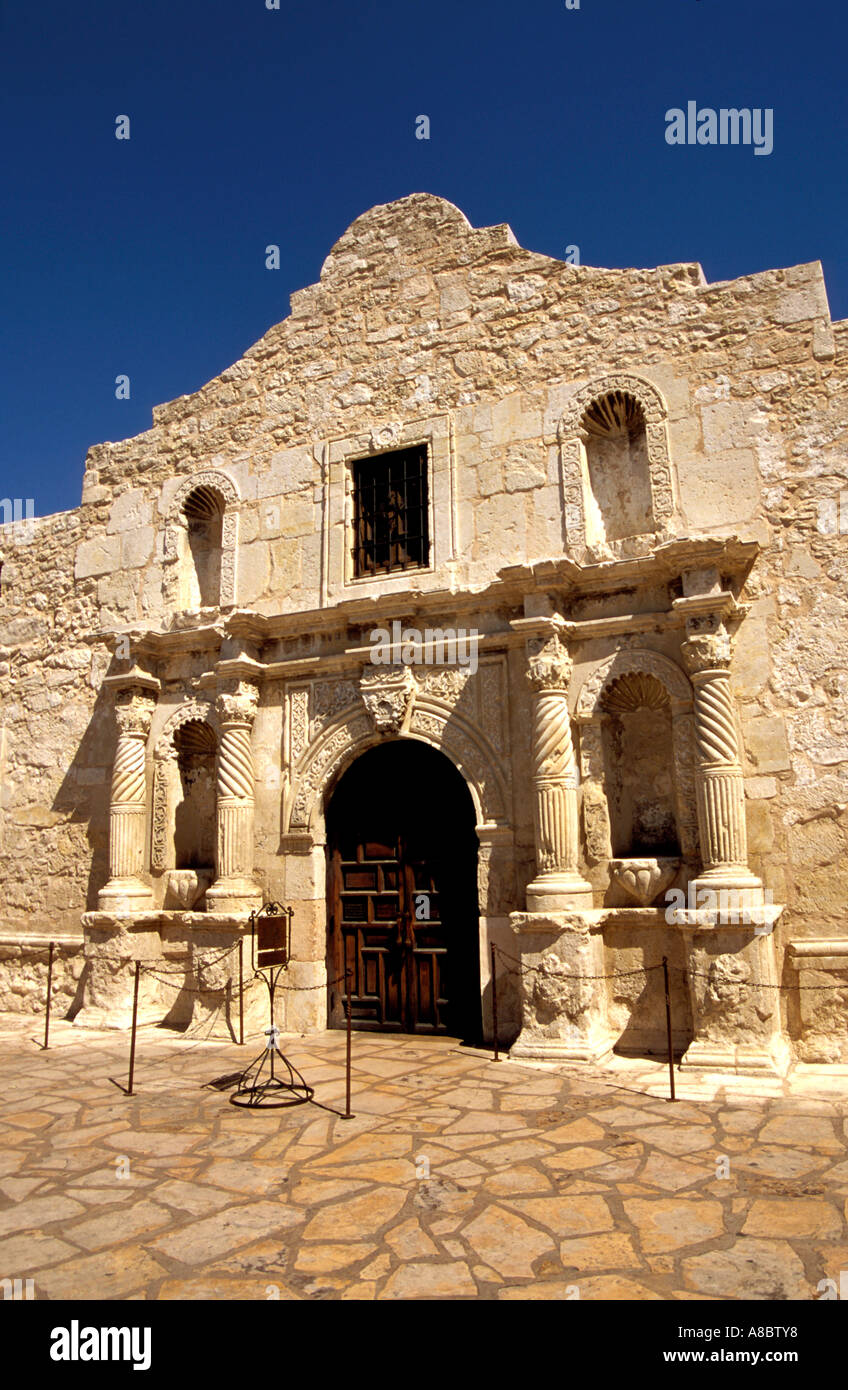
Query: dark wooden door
<point x="389" y="938"/>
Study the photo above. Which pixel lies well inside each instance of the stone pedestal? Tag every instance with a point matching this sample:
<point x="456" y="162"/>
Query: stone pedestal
<point x="213" y="977"/>
<point x="736" y="1010"/>
<point x="558" y="885"/>
<point x="564" y="1003"/>
<point x="113" y="944"/>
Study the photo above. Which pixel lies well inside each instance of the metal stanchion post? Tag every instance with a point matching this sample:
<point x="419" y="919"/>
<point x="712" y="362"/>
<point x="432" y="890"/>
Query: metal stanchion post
<point x="495" y="1003"/>
<point x="668" y="1027"/>
<point x="241" y="991"/>
<point x="134" y="1021"/>
<point x="49" y="988"/>
<point x="347" y="1114"/>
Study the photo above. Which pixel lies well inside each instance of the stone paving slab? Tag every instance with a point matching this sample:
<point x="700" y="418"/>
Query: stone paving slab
<point x="456" y="1179"/>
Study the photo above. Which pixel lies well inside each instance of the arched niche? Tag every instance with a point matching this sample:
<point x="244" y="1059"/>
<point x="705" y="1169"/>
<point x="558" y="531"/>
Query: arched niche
<point x="636" y="730"/>
<point x="183" y="820"/>
<point x="201" y="534"/>
<point x="616" y="465"/>
<point x="196" y="747"/>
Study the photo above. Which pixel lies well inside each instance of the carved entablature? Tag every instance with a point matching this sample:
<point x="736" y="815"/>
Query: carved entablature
<point x="574" y="436"/>
<point x="223" y="486"/>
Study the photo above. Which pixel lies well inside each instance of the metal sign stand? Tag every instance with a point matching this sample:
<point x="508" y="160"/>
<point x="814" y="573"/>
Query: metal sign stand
<point x="269" y="958"/>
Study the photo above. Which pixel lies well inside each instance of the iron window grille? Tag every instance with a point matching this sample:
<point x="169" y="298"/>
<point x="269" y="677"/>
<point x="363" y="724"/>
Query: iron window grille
<point x="390" y="509"/>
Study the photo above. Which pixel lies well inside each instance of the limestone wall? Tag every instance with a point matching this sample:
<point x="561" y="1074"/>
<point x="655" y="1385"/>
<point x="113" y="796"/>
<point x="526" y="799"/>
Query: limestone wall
<point x="422" y="329"/>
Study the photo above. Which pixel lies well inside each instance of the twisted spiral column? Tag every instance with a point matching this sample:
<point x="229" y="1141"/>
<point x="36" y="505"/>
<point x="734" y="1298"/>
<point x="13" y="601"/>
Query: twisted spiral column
<point x="720" y="790"/>
<point x="557" y="884"/>
<point x="234" y="889"/>
<point x="128" y="802"/>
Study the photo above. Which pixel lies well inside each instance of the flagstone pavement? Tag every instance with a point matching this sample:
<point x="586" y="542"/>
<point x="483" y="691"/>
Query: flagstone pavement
<point x="457" y="1178"/>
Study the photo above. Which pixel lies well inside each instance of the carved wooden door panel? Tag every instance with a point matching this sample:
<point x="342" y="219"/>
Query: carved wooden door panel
<point x="388" y="936"/>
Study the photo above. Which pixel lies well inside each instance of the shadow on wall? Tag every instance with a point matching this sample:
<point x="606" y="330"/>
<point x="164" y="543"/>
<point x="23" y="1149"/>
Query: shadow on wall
<point x="83" y="795"/>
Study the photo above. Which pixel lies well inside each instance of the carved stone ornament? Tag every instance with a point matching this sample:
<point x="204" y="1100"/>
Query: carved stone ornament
<point x="549" y="664"/>
<point x="134" y="711"/>
<point x="238" y="706"/>
<point x="387" y="436"/>
<point x="644" y="879"/>
<point x="388" y="694"/>
<point x="706" y="652"/>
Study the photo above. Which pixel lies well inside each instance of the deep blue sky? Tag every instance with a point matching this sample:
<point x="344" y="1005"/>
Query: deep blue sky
<point x="251" y="126"/>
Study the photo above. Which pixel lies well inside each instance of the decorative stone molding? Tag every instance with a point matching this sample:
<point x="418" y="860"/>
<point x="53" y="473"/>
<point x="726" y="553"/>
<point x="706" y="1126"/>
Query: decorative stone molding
<point x="388" y="695"/>
<point x="322" y="763"/>
<point x="135" y="701"/>
<point x="340" y="742"/>
<point x="387" y="436"/>
<point x="572" y="437"/>
<point x="228" y="492"/>
<point x="329" y="699"/>
<point x="624" y="662"/>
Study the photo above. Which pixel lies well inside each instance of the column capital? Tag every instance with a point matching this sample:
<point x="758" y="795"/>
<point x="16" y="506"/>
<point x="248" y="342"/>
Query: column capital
<point x="549" y="663"/>
<point x="706" y="651"/>
<point x="134" y="706"/>
<point x="237" y="702"/>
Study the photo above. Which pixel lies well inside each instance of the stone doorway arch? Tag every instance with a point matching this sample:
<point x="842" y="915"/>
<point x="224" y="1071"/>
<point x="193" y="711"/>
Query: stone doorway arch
<point x="402" y="904"/>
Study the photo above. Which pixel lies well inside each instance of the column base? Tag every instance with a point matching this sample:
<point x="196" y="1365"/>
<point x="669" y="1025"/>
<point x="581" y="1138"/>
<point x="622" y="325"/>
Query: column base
<point x="727" y="889"/>
<point x="771" y="1058"/>
<point x="125" y="895"/>
<point x="239" y="895"/>
<point x="557" y="892"/>
<point x="542" y="1050"/>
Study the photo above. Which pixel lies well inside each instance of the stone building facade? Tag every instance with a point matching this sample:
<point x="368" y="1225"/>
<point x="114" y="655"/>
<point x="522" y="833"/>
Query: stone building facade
<point x="626" y="484"/>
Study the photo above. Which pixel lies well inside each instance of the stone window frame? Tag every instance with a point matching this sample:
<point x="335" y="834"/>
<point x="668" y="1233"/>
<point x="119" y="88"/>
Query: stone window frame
<point x="435" y="433"/>
<point x="589" y="716"/>
<point x="574" y="463"/>
<point x="175" y="522"/>
<point x="164" y="751"/>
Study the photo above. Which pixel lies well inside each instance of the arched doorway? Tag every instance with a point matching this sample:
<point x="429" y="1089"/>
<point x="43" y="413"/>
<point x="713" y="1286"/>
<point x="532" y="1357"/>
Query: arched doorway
<point x="402" y="894"/>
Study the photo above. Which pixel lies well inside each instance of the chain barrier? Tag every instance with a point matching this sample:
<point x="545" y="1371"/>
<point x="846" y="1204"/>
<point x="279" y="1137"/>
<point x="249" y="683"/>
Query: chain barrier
<point x="646" y="969"/>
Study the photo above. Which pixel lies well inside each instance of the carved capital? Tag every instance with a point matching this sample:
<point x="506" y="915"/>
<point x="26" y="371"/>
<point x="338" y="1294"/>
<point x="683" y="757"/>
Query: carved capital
<point x="238" y="705"/>
<point x="388" y="695"/>
<point x="548" y="663"/>
<point x="706" y="651"/>
<point x="134" y="711"/>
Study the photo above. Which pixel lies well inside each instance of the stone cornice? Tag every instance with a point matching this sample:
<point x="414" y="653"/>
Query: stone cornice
<point x="565" y="581"/>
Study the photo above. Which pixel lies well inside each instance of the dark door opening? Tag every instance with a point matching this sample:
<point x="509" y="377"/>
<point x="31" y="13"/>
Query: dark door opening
<point x="402" y="894"/>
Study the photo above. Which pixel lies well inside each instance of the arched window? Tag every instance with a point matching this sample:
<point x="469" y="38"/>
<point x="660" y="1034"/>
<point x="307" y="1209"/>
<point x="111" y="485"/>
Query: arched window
<point x="619" y="502"/>
<point x="200" y="557"/>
